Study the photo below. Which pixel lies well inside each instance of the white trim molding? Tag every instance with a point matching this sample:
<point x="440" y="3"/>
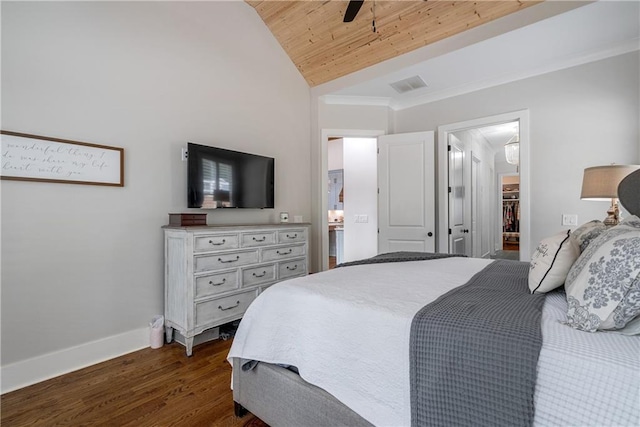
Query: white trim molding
<point x="375" y="101"/>
<point x="40" y="368"/>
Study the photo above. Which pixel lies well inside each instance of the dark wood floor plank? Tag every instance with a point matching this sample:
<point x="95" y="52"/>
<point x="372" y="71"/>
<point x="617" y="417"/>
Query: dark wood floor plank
<point x="149" y="387"/>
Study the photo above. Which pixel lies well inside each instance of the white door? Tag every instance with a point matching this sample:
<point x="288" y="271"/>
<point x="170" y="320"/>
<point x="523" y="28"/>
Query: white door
<point x="406" y="185"/>
<point x="459" y="199"/>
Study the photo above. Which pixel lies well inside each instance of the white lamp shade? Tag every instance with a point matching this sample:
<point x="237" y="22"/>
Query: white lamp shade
<point x="512" y="152"/>
<point x="601" y="182"/>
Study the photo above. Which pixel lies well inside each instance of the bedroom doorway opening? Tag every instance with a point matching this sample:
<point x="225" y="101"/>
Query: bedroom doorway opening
<point x="473" y="215"/>
<point x="476" y="155"/>
<point x="350" y="210"/>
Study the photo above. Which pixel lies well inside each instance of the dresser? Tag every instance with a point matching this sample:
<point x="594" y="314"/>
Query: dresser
<point x="213" y="273"/>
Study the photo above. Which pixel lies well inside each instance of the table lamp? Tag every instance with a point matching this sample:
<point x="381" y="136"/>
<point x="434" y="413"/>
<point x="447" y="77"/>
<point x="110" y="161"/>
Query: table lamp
<point x="601" y="183"/>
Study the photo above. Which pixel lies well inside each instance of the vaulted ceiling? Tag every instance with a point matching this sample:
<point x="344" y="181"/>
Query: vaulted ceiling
<point x="324" y="48"/>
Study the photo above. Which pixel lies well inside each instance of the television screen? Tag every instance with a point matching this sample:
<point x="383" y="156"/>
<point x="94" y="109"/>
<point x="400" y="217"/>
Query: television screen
<point x="219" y="178"/>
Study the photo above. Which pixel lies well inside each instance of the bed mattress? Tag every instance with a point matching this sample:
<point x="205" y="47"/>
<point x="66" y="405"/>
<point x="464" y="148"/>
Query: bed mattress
<point x="347" y="332"/>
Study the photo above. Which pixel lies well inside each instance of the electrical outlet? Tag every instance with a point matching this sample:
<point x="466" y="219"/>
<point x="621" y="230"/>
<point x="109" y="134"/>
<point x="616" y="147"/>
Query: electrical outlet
<point x="185" y="154"/>
<point x="569" y="219"/>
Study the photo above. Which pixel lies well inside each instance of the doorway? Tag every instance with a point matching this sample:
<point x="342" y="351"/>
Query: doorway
<point x="323" y="220"/>
<point x="335" y="202"/>
<point x="469" y="191"/>
<point x="471" y="165"/>
<point x="351" y="211"/>
<point x="351" y="227"/>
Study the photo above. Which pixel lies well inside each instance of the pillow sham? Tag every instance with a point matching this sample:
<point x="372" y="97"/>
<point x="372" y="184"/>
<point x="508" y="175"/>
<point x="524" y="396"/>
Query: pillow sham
<point x="588" y="231"/>
<point x="551" y="261"/>
<point x="632" y="221"/>
<point x="603" y="285"/>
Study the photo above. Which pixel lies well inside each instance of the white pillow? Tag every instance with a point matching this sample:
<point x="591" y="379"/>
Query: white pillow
<point x="588" y="231"/>
<point x="603" y="286"/>
<point x="551" y="262"/>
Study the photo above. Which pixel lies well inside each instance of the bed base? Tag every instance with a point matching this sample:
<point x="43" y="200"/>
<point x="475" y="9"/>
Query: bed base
<point x="280" y="397"/>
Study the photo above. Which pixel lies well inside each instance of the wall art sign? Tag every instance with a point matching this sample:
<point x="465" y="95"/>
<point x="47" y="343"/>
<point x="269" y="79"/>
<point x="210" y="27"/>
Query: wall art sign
<point x="38" y="158"/>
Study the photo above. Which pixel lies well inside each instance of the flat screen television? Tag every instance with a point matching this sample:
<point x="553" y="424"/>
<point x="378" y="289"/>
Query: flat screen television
<point x="220" y="178"/>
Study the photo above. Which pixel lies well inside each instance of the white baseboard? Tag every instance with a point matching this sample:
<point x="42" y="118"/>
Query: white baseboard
<point x="30" y="371"/>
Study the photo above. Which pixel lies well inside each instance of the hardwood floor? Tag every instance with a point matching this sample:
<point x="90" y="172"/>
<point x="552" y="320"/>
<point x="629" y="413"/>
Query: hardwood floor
<point x="510" y="246"/>
<point x="332" y="262"/>
<point x="149" y="387"/>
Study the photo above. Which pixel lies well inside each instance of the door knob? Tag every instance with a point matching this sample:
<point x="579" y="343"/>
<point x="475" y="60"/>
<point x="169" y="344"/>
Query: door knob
<point x="465" y="231"/>
<point x="429" y="234"/>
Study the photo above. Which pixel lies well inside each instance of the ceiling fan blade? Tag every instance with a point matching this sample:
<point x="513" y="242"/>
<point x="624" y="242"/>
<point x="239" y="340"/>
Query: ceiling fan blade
<point x="352" y="10"/>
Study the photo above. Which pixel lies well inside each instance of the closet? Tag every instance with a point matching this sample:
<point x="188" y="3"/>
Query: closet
<point x="511" y="214"/>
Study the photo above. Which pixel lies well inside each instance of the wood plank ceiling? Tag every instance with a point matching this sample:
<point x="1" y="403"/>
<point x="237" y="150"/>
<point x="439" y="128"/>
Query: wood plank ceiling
<point x="324" y="48"/>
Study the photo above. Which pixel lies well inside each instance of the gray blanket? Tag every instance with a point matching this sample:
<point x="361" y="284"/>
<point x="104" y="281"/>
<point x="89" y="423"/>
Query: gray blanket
<point x="399" y="257"/>
<point x="474" y="352"/>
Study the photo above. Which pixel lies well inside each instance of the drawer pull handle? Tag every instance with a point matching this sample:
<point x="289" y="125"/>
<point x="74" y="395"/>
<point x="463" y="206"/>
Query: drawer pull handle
<point x="219" y="283"/>
<point x="229" y="308"/>
<point x="292" y="237"/>
<point x="260" y="240"/>
<point x="294" y="268"/>
<point x="284" y="253"/>
<point x="218" y="243"/>
<point x="264" y="273"/>
<point x="229" y="260"/>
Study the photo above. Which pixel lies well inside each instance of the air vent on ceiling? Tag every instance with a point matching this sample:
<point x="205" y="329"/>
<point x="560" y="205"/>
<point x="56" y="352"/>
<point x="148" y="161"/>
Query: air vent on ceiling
<point x="406" y="85"/>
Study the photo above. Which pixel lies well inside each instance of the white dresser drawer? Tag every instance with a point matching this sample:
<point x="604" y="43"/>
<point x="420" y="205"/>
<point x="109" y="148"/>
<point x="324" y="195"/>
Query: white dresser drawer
<point x="258" y="239"/>
<point x="257" y="275"/>
<point x="218" y="283"/>
<point x="292" y="236"/>
<point x="296" y="267"/>
<point x="219" y="309"/>
<point x="213" y="273"/>
<point x="224" y="260"/>
<point x="216" y="242"/>
<point x="283" y="252"/>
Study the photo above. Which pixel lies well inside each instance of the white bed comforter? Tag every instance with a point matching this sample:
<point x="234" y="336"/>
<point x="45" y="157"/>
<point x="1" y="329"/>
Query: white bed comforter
<point x="347" y="331"/>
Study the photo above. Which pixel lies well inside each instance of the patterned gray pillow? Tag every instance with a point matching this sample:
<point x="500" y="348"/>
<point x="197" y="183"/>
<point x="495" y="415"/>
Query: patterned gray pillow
<point x="588" y="231"/>
<point x="603" y="285"/>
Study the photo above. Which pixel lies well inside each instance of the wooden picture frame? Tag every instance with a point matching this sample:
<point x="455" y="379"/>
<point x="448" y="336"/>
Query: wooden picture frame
<point x="28" y="157"/>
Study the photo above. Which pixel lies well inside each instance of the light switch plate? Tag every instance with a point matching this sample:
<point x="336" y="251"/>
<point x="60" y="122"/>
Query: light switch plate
<point x="569" y="219"/>
<point x="361" y="218"/>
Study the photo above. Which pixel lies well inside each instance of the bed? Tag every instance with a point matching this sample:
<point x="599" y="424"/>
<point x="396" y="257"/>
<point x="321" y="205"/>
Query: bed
<point x="341" y="348"/>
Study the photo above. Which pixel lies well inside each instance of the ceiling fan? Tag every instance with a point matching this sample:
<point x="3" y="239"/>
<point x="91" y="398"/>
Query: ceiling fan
<point x="354" y="7"/>
<point x="352" y="10"/>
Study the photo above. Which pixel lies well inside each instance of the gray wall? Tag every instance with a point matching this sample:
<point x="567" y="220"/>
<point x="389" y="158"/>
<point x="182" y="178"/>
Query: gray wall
<point x="580" y="117"/>
<point x="80" y="263"/>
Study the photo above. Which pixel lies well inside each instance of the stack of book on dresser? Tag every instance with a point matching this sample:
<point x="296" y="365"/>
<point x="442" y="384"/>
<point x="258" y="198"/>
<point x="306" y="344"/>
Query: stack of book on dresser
<point x="185" y="219"/>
